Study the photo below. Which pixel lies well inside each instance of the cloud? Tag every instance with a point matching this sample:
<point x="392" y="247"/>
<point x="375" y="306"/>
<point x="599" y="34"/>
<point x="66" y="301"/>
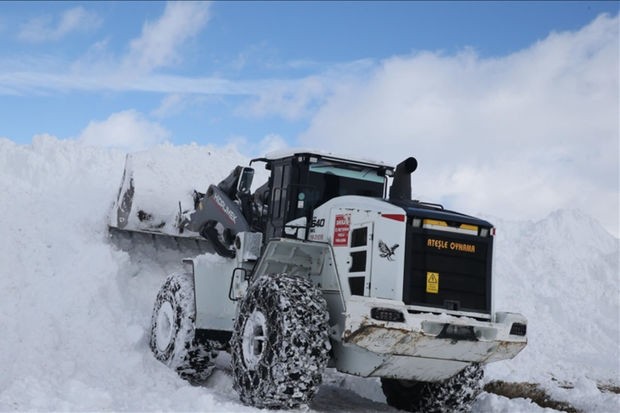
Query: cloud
<point x="101" y="70"/>
<point x="46" y="28"/>
<point x="170" y="105"/>
<point x="128" y="130"/>
<point x="158" y="46"/>
<point x="253" y="149"/>
<point x="291" y="100"/>
<point x="295" y="99"/>
<point x="271" y="143"/>
<point x="158" y="43"/>
<point x="514" y="136"/>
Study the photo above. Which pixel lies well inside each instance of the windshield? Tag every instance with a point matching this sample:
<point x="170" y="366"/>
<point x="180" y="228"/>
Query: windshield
<point x="327" y="181"/>
<point x="363" y="174"/>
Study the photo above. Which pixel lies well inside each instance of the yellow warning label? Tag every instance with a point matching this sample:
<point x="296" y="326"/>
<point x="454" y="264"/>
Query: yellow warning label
<point x="432" y="282"/>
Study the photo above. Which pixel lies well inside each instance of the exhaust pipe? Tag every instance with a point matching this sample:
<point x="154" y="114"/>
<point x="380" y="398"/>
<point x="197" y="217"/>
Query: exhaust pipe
<point x="401" y="185"/>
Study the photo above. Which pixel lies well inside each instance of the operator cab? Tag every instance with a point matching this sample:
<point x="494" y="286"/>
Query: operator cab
<point x="302" y="181"/>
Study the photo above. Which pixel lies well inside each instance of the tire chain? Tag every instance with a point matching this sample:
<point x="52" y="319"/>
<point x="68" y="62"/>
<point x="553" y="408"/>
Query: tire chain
<point x="295" y="364"/>
<point x="193" y="362"/>
<point x="454" y="395"/>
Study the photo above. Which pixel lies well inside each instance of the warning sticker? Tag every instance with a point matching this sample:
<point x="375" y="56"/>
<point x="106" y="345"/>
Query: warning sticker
<point x="432" y="282"/>
<point x="341" y="230"/>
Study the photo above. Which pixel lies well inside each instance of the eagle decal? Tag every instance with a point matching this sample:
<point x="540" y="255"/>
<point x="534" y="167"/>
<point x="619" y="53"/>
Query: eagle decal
<point x="385" y="251"/>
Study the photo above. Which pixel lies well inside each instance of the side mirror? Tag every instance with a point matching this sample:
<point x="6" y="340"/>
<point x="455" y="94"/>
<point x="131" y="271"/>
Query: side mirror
<point x="245" y="180"/>
<point x="238" y="284"/>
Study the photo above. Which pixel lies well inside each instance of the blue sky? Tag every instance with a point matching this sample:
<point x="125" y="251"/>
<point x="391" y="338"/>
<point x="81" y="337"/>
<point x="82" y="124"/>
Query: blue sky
<point x="510" y="107"/>
<point x="240" y="42"/>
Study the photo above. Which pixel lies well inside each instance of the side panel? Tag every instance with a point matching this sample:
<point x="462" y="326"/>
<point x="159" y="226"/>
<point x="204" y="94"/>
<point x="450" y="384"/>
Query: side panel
<point x="214" y="310"/>
<point x="389" y="246"/>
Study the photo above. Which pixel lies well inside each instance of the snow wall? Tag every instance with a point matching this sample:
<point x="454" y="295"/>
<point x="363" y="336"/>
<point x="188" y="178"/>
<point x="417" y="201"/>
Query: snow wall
<point x="75" y="310"/>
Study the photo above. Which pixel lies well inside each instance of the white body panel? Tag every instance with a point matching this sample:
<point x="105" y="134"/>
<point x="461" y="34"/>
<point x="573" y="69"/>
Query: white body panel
<point x="214" y="310"/>
<point x="214" y="283"/>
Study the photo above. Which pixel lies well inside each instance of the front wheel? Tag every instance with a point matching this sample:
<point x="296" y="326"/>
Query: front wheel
<point x="455" y="394"/>
<point x="280" y="343"/>
<point x="172" y="339"/>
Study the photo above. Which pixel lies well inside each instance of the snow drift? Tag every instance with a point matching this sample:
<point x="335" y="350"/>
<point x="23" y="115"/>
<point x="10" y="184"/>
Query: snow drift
<point x="75" y="310"/>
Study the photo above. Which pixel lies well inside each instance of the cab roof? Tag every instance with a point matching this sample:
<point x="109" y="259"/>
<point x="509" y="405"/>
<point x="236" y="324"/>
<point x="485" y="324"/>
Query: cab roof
<point x="290" y="153"/>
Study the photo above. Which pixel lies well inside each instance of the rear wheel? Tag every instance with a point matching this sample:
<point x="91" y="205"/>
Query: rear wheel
<point x="173" y="339"/>
<point x="280" y="343"/>
<point x="455" y="394"/>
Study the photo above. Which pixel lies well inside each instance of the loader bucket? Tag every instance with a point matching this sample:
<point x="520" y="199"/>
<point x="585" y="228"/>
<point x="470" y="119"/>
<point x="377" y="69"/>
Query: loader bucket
<point x="163" y="248"/>
<point x="145" y="214"/>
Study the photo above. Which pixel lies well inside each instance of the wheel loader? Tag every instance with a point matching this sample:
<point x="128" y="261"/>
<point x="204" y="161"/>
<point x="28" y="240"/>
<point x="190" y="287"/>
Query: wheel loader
<point x="327" y="265"/>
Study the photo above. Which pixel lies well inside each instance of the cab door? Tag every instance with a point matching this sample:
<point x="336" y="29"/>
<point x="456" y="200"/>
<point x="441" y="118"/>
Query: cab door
<point x="280" y="173"/>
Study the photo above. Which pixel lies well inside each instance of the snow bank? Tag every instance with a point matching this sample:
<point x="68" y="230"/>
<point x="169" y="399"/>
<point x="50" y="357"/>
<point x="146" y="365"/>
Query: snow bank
<point x="75" y="310"/>
<point x="562" y="273"/>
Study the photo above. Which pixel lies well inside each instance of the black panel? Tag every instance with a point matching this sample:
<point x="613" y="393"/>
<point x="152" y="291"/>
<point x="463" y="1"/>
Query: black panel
<point x="357" y="285"/>
<point x="463" y="263"/>
<point x="359" y="237"/>
<point x="358" y="261"/>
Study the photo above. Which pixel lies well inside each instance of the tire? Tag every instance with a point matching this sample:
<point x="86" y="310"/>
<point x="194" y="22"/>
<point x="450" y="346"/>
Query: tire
<point x="172" y="339"/>
<point x="455" y="394"/>
<point x="280" y="344"/>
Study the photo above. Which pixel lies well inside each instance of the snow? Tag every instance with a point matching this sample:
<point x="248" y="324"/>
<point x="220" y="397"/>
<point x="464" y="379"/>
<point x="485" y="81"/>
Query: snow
<point x="562" y="274"/>
<point x="497" y="404"/>
<point x="75" y="310"/>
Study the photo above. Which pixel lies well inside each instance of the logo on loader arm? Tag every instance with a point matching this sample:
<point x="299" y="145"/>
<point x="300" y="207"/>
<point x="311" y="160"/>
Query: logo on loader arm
<point x="225" y="209"/>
